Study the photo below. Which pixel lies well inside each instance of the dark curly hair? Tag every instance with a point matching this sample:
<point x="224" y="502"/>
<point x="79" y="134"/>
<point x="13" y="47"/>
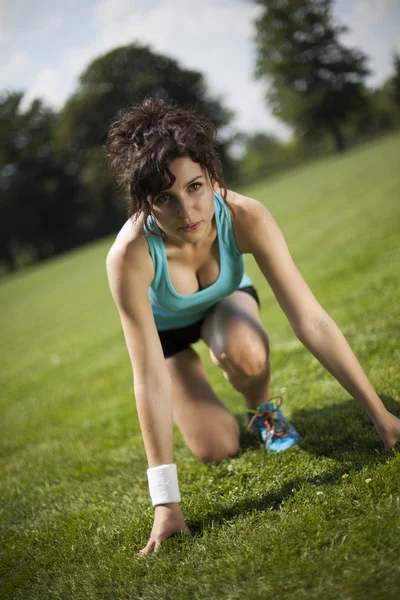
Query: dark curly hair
<point x="147" y="137"/>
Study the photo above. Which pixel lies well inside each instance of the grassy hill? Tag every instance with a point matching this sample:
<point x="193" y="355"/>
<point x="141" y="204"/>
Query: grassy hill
<point x="320" y="520"/>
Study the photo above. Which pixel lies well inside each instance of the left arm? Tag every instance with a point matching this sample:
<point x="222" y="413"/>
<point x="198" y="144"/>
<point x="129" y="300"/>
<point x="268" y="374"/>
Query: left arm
<point x="310" y="322"/>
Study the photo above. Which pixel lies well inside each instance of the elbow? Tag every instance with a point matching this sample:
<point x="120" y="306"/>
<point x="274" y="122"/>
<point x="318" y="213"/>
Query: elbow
<point x="311" y="328"/>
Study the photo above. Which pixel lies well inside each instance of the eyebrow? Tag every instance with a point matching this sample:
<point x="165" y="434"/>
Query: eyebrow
<point x="192" y="180"/>
<point x="186" y="184"/>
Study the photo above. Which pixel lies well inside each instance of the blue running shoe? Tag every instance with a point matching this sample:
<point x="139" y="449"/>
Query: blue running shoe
<point x="276" y="432"/>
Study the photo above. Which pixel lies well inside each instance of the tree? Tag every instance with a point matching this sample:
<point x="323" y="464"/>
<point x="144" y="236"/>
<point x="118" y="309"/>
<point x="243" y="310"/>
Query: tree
<point x="37" y="210"/>
<point x="315" y="81"/>
<point x="263" y="155"/>
<point x="382" y="112"/>
<point x="395" y="80"/>
<point x="381" y="115"/>
<point x="119" y="79"/>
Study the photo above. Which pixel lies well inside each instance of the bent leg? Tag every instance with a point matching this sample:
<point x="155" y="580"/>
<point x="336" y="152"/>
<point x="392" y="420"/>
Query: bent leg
<point x="239" y="344"/>
<point x="208" y="427"/>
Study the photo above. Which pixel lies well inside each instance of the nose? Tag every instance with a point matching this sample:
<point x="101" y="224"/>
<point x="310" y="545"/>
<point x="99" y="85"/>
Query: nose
<point x="184" y="207"/>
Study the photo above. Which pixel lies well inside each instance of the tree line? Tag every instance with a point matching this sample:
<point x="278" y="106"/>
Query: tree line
<point x="56" y="191"/>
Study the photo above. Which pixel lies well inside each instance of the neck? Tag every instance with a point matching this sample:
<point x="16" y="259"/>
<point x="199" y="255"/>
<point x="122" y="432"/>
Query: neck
<point x="207" y="240"/>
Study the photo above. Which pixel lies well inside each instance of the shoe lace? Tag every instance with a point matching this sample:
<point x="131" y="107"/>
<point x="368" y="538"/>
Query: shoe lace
<point x="274" y="424"/>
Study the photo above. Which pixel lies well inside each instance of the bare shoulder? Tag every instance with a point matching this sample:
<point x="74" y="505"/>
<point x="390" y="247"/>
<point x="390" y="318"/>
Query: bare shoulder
<point x="244" y="205"/>
<point x="251" y="216"/>
<point x="130" y="272"/>
<point x="129" y="256"/>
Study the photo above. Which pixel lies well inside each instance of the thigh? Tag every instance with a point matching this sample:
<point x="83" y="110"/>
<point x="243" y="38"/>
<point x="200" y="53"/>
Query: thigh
<point x="233" y="330"/>
<point x="208" y="427"/>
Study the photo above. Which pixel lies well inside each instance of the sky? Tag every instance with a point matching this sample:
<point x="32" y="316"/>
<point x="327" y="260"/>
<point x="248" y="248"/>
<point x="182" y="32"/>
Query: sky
<point x="45" y="45"/>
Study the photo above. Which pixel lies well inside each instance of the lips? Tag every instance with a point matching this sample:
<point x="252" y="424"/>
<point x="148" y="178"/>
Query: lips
<point x="190" y="226"/>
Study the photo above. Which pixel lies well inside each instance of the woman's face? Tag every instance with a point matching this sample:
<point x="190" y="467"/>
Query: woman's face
<point x="190" y="201"/>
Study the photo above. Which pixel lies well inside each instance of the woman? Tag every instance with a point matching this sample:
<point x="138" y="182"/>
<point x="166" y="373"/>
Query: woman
<point x="176" y="275"/>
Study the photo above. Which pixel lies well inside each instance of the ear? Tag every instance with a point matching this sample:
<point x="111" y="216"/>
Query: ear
<point x="214" y="184"/>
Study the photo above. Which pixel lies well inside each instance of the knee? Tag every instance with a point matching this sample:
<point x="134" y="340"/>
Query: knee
<point x="218" y="454"/>
<point x="216" y="449"/>
<point x="246" y="359"/>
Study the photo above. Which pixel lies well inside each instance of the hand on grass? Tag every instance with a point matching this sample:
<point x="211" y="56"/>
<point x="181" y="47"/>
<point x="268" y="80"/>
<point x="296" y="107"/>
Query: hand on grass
<point x="168" y="520"/>
<point x="389" y="431"/>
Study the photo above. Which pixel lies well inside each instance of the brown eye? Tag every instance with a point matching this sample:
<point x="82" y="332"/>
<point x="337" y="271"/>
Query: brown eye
<point x="162" y="199"/>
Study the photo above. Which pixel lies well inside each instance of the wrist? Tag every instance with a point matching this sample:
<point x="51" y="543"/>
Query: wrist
<point x="379" y="416"/>
<point x="382" y="419"/>
<point x="163" y="485"/>
<point x="170" y="507"/>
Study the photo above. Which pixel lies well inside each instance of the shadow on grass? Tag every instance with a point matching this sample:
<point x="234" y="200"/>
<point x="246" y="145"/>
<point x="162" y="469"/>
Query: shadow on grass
<point x="339" y="431"/>
<point x="342" y="431"/>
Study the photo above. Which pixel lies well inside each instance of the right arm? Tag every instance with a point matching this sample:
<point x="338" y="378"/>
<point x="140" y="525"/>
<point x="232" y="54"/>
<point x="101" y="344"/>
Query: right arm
<point x="130" y="272"/>
<point x="129" y="280"/>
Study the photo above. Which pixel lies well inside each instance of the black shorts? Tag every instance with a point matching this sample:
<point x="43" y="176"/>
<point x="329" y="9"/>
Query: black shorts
<point x="176" y="340"/>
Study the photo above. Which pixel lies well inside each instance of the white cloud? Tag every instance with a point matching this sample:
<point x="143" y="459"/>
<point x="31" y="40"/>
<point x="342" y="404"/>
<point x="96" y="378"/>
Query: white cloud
<point x="213" y="37"/>
<point x="110" y="33"/>
<point x="185" y="16"/>
<point x="22" y="21"/>
<point x="371" y="12"/>
<point x="48" y="84"/>
<point x="52" y="25"/>
<point x="112" y="9"/>
<point x="203" y="37"/>
<point x="11" y="13"/>
<point x="171" y="27"/>
<point x="373" y="28"/>
<point x="19" y="62"/>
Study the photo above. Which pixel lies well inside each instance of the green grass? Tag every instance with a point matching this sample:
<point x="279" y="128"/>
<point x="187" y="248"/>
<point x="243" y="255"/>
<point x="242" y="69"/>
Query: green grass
<point x="322" y="520"/>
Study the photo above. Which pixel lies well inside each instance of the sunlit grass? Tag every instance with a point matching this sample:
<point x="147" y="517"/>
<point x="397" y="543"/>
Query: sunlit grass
<point x="321" y="520"/>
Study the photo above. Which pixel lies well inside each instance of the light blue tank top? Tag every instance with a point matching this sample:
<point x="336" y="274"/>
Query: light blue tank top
<point x="172" y="310"/>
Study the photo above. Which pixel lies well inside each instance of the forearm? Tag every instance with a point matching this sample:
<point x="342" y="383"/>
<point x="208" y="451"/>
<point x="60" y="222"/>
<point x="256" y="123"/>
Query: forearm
<point x="154" y="408"/>
<point x="328" y="344"/>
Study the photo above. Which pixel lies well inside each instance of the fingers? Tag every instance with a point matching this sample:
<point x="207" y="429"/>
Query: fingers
<point x="147" y="549"/>
<point x="155" y="545"/>
<point x="151" y="545"/>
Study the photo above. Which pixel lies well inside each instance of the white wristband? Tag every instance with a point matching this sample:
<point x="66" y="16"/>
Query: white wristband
<point x="163" y="484"/>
